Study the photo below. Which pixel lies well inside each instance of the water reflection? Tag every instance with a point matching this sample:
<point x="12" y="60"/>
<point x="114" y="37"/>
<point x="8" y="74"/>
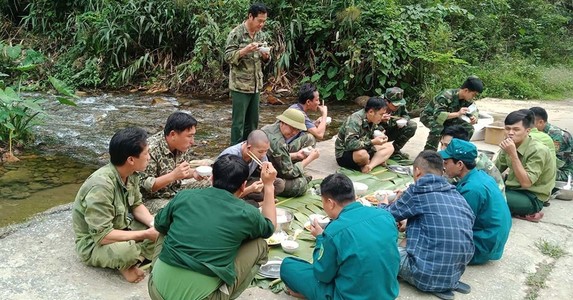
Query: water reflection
<point x="74" y="142"/>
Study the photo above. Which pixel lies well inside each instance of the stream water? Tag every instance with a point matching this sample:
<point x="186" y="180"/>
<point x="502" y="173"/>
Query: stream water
<point x="72" y="142"/>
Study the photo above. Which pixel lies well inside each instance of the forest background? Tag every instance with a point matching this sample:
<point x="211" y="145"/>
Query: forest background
<point x="521" y="49"/>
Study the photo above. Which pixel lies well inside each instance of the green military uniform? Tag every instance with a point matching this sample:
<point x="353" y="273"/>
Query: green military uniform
<point x="355" y="133"/>
<point x="400" y="135"/>
<point x="162" y="162"/>
<point x="563" y="144"/>
<point x="279" y="155"/>
<point x="541" y="170"/>
<point x="225" y="246"/>
<point x="102" y="205"/>
<point x="434" y="116"/>
<point x="351" y="260"/>
<point x="245" y="81"/>
<point x="485" y="164"/>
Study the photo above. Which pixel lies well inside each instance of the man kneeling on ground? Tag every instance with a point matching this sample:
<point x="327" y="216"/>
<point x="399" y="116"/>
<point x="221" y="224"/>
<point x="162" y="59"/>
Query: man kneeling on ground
<point x="213" y="244"/>
<point x="360" y="242"/>
<point x="439" y="230"/>
<point x="106" y="236"/>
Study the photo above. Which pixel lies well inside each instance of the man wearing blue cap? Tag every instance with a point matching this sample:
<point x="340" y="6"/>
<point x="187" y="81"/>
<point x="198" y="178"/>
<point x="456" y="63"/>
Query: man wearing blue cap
<point x="493" y="219"/>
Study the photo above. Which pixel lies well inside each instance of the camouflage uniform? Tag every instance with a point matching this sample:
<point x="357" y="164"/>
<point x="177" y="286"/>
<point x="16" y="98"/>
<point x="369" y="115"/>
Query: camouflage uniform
<point x="101" y="205"/>
<point x="162" y="162"/>
<point x="484" y="163"/>
<point x="279" y="155"/>
<point x="245" y="81"/>
<point x="400" y="135"/>
<point x="563" y="143"/>
<point x="355" y="133"/>
<point x="434" y="116"/>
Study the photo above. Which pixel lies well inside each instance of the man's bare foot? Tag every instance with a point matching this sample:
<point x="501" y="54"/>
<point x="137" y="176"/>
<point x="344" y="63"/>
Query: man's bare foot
<point x="366" y="169"/>
<point x="133" y="274"/>
<point x="294" y="294"/>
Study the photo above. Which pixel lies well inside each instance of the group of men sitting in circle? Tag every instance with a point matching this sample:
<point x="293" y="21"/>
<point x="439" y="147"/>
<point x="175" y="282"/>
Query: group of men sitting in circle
<point x="208" y="242"/>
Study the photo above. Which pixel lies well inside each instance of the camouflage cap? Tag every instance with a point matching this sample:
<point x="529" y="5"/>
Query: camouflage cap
<point x="294" y="118"/>
<point x="395" y="95"/>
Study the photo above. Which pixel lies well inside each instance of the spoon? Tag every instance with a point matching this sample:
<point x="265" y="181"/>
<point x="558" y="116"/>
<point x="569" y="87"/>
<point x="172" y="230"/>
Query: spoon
<point x="568" y="185"/>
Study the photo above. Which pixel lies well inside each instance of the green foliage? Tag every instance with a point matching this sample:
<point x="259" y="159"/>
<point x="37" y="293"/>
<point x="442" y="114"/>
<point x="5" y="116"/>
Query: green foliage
<point x="347" y="48"/>
<point x="18" y="115"/>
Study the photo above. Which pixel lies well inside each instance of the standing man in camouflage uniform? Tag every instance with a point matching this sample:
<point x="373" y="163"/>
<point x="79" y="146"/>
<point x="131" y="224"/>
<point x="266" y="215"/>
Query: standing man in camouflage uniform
<point x="289" y="124"/>
<point x="356" y="147"/>
<point x="113" y="228"/>
<point x="562" y="140"/>
<point x="246" y="71"/>
<point x="397" y="109"/>
<point x="448" y="108"/>
<point x="482" y="161"/>
<point x="172" y="160"/>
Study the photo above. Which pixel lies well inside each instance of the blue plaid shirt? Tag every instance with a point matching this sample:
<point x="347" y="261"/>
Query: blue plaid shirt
<point x="439" y="232"/>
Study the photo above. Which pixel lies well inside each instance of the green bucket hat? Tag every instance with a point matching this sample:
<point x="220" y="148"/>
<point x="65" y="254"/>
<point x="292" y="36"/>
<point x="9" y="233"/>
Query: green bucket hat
<point x="294" y="118"/>
<point x="395" y="95"/>
<point x="460" y="150"/>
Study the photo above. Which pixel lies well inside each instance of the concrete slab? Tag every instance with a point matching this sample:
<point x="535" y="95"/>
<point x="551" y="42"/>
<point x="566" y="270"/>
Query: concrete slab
<point x="37" y="259"/>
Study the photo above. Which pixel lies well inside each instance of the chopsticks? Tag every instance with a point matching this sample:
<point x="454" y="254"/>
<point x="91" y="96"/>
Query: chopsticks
<point x="255" y="158"/>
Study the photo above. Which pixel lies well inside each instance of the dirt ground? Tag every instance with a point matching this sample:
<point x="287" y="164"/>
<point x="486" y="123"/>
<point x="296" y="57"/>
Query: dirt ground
<point x="38" y="261"/>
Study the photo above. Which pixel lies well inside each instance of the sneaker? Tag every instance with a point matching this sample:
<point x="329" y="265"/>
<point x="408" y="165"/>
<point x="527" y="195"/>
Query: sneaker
<point x="463" y="288"/>
<point x="535" y="218"/>
<point x="445" y="295"/>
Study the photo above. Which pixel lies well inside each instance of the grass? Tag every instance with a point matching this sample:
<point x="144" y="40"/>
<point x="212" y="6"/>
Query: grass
<point x="538" y="280"/>
<point x="509" y="78"/>
<point x="550" y="249"/>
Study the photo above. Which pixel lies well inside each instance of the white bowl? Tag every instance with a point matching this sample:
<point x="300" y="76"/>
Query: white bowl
<point x="306" y="151"/>
<point x="380" y="194"/>
<point x="289" y="246"/>
<point x="328" y="120"/>
<point x="322" y="220"/>
<point x="204" y="171"/>
<point x="378" y="133"/>
<point x="402" y="122"/>
<point x="265" y="49"/>
<point x="360" y="188"/>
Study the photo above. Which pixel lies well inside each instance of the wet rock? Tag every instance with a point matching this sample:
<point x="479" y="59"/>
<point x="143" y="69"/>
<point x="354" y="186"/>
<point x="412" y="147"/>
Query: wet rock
<point x="19" y="196"/>
<point x="361" y="100"/>
<point x="160" y="102"/>
<point x="37" y="186"/>
<point x="272" y="100"/>
<point x="16" y="176"/>
<point x="81" y="94"/>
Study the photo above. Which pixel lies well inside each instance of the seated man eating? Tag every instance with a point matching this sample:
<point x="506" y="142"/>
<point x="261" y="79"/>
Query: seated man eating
<point x="356" y="146"/>
<point x="359" y="242"/>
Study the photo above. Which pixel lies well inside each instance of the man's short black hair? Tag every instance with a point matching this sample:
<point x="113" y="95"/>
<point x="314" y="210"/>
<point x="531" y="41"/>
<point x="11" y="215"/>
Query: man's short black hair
<point x="125" y="143"/>
<point x="524" y="115"/>
<point x="457" y="132"/>
<point x="540" y="112"/>
<point x="179" y="121"/>
<point x="375" y="103"/>
<point x="256" y="9"/>
<point x="338" y="187"/>
<point x="470" y="165"/>
<point x="230" y="172"/>
<point x="306" y="93"/>
<point x="474" y="84"/>
<point x="430" y="162"/>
